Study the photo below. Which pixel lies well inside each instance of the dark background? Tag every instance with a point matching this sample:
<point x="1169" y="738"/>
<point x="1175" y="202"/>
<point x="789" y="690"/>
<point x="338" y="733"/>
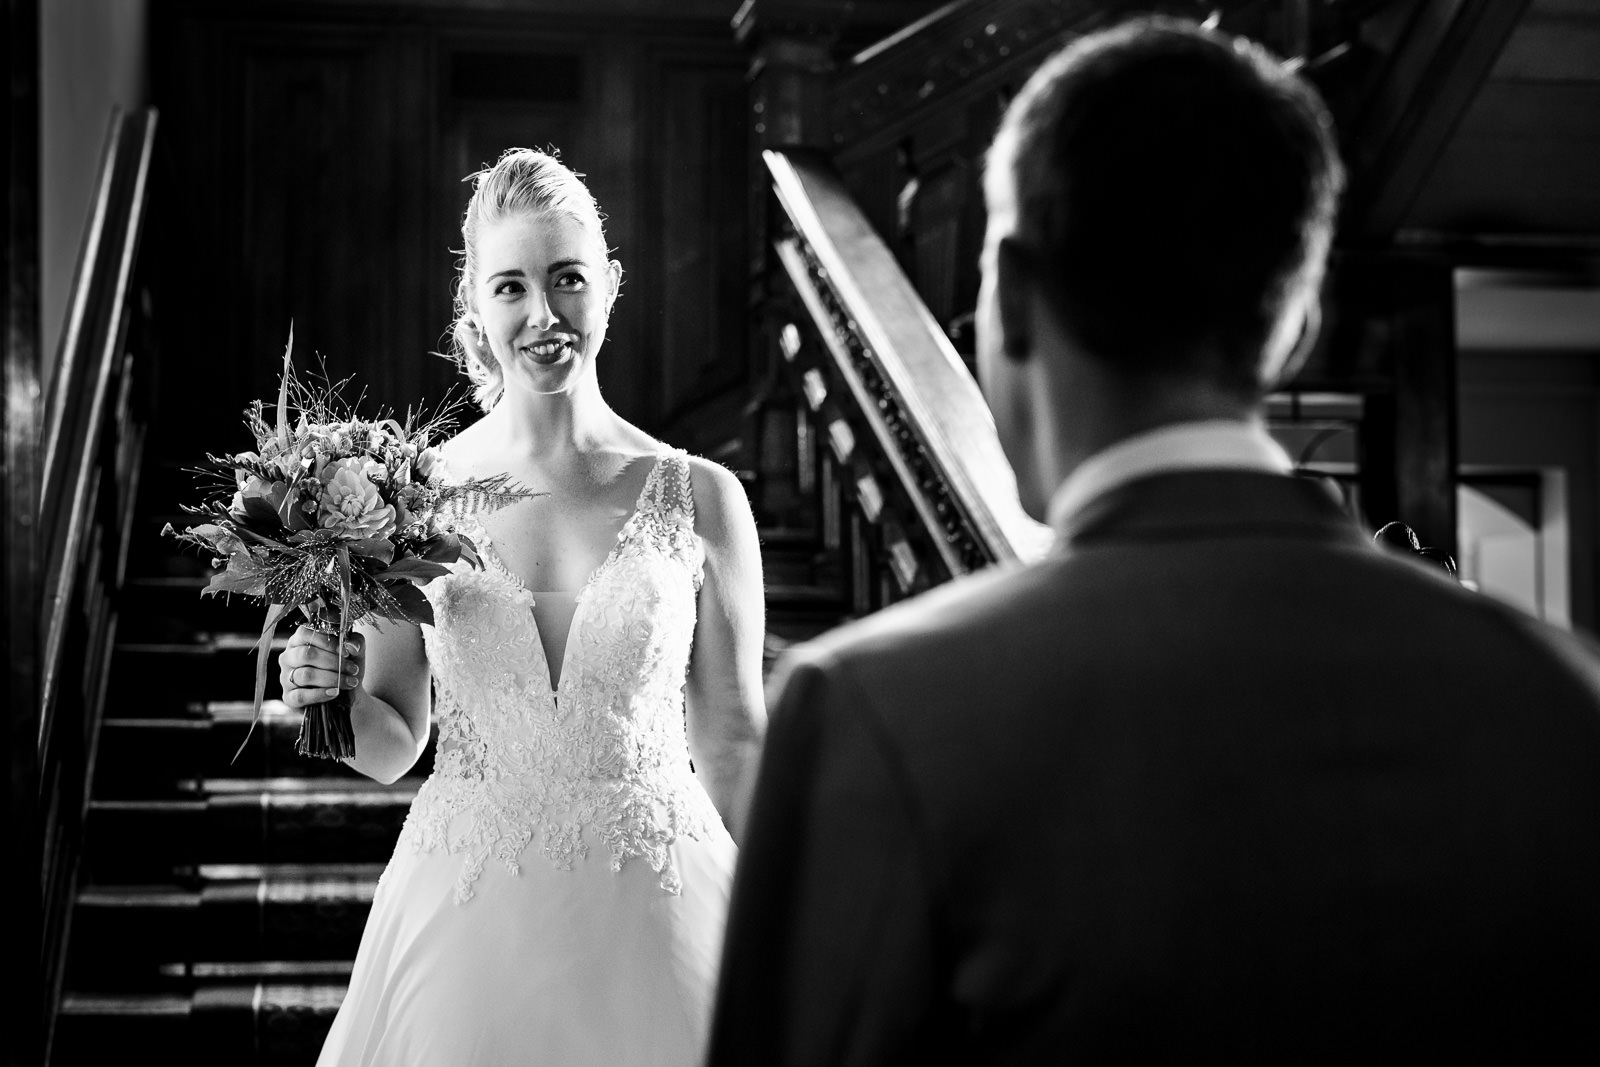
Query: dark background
<point x="310" y="169"/>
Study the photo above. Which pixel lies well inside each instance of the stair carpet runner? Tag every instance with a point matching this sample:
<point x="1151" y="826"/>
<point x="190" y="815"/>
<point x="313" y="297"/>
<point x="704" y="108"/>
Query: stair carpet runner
<point x="220" y="899"/>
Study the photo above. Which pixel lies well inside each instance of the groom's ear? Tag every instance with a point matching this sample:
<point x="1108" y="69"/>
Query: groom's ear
<point x="1309" y="328"/>
<point x="1016" y="282"/>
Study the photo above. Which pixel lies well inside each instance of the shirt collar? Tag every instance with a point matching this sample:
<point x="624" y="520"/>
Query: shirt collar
<point x="1210" y="445"/>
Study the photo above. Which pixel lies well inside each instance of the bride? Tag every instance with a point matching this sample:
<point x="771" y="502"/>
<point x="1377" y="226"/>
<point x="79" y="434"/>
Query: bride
<point x="558" y="892"/>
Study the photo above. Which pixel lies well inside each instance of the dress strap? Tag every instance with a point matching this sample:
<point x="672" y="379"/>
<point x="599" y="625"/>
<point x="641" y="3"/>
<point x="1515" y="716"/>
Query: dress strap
<point x="668" y="491"/>
<point x="669" y="509"/>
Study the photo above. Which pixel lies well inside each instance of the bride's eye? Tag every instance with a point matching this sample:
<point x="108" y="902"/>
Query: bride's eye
<point x="570" y="280"/>
<point x="507" y="287"/>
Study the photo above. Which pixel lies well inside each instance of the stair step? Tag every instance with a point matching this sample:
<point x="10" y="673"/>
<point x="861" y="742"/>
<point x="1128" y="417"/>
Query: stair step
<point x="267" y="1024"/>
<point x="286" y="1023"/>
<point x="121" y="935"/>
<point x="150" y="554"/>
<point x="150" y="756"/>
<point x="175" y="608"/>
<point x="243" y="872"/>
<point x="284" y="916"/>
<point x="160" y="677"/>
<point x="246" y="821"/>
<point x="104" y="1028"/>
<point x="245" y="971"/>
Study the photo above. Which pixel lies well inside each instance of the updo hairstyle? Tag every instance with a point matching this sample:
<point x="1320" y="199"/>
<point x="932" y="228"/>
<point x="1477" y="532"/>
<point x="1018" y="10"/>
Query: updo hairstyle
<point x="523" y="181"/>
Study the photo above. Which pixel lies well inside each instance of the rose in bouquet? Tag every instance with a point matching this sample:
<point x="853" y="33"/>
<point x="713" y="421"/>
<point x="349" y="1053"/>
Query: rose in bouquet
<point x="340" y="518"/>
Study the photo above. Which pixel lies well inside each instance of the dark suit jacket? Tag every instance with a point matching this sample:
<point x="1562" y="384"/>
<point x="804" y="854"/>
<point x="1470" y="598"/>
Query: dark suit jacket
<point x="1217" y="778"/>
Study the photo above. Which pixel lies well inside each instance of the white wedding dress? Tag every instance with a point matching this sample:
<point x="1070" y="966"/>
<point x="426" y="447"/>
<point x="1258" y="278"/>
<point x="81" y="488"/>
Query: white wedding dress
<point x="558" y="892"/>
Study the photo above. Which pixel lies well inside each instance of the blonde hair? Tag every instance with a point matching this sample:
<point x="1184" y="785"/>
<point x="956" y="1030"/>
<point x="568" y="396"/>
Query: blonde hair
<point x="523" y="181"/>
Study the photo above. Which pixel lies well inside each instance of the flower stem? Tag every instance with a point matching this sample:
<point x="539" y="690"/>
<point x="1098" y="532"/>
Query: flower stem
<point x="325" y="730"/>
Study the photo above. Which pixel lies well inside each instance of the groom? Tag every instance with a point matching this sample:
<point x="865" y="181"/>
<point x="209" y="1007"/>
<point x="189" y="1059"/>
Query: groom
<point x="1218" y="777"/>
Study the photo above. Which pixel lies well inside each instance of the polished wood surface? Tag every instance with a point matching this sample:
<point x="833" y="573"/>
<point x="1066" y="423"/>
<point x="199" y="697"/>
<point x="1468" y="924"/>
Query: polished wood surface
<point x="940" y="399"/>
<point x="80" y="396"/>
<point x="320" y="152"/>
<point x="92" y="448"/>
<point x="27" y="1010"/>
<point x="1464" y="125"/>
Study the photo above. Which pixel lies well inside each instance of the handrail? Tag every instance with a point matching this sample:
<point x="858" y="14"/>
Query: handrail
<point x="912" y="389"/>
<point x="90" y="441"/>
<point x="90" y="345"/>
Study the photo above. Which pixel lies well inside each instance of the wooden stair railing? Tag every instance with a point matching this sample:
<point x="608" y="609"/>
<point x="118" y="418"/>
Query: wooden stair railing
<point x="902" y="126"/>
<point x="927" y="494"/>
<point x="92" y="442"/>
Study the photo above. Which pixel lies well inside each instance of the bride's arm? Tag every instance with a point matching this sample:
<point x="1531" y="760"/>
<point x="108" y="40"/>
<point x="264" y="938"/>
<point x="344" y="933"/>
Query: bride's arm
<point x="727" y="715"/>
<point x="387" y="673"/>
<point x="389" y="710"/>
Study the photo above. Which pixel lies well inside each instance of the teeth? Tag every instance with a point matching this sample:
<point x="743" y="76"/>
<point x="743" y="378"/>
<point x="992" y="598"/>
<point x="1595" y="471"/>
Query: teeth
<point x="546" y="348"/>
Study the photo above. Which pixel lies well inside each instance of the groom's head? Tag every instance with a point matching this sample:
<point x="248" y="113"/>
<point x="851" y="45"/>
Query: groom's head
<point x="1161" y="201"/>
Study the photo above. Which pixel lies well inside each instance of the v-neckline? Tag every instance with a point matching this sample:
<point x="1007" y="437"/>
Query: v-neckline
<point x="490" y="553"/>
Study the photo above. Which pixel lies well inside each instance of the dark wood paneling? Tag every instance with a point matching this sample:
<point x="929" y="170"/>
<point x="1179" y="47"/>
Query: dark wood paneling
<point x="26" y="1009"/>
<point x="329" y="215"/>
<point x="324" y="150"/>
<point x="697" y="279"/>
<point x="298" y="156"/>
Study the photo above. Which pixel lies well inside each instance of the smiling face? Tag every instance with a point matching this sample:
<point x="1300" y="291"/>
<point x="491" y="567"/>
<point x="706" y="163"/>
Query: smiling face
<point x="542" y="297"/>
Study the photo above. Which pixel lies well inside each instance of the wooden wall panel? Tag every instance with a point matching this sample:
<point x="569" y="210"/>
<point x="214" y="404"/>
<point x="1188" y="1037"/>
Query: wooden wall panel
<point x="696" y="280"/>
<point x="314" y="161"/>
<point x="327" y="238"/>
<point x="27" y="1013"/>
<point x="294" y="194"/>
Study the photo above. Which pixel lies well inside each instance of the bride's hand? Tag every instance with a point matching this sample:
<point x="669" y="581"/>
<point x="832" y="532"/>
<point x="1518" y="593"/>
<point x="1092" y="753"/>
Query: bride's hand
<point x="308" y="669"/>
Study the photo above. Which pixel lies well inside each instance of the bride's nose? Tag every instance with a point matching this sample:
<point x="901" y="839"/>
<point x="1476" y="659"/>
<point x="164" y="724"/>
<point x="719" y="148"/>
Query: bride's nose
<point x="540" y="315"/>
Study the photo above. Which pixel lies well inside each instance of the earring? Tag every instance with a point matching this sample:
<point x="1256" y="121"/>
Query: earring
<point x="482" y="340"/>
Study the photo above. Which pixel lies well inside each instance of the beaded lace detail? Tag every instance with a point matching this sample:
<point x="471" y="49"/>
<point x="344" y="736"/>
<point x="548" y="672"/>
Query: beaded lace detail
<point x="605" y="751"/>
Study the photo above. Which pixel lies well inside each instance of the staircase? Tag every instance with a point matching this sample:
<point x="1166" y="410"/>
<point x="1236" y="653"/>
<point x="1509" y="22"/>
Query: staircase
<point x="221" y="900"/>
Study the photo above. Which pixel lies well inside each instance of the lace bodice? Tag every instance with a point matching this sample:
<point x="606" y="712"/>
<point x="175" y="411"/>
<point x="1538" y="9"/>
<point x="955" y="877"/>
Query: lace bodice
<point x="604" y="752"/>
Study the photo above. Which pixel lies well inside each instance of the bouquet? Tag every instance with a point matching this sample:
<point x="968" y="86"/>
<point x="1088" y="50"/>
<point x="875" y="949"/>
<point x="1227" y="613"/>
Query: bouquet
<point x="339" y="518"/>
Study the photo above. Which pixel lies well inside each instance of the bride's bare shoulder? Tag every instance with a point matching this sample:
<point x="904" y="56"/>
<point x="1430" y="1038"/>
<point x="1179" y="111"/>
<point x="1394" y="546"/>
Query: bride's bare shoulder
<point x="466" y="454"/>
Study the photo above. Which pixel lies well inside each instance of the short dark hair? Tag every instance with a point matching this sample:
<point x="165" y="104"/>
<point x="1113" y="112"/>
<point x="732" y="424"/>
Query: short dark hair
<point x="1178" y="186"/>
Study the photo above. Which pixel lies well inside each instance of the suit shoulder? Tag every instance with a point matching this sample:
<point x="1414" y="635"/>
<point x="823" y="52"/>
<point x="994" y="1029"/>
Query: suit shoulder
<point x="954" y="612"/>
<point x="1573" y="654"/>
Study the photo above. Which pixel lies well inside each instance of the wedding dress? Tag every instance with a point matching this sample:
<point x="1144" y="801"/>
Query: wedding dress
<point x="558" y="892"/>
